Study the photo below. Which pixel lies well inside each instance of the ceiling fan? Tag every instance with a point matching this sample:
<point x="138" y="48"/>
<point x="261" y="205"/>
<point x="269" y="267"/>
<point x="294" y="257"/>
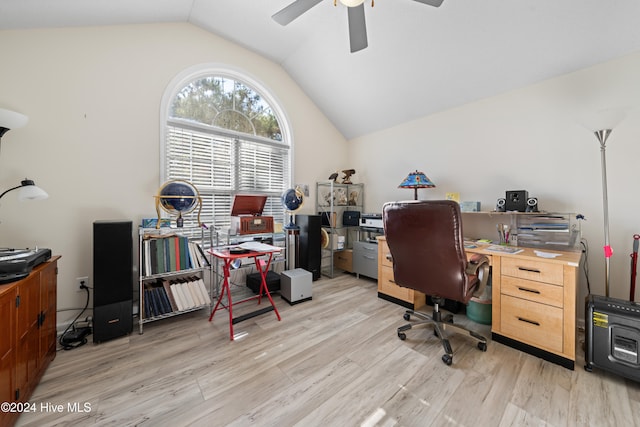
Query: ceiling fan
<point x="355" y="9"/>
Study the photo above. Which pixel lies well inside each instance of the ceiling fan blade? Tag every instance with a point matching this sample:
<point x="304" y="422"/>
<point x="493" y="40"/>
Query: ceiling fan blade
<point x="357" y="28"/>
<point x="434" y="3"/>
<point x="295" y="9"/>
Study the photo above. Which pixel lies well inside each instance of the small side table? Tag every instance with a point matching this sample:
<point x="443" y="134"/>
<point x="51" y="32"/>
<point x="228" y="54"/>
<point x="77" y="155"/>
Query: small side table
<point x="262" y="265"/>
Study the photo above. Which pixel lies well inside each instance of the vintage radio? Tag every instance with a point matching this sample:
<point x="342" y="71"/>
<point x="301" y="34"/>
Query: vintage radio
<point x="246" y="215"/>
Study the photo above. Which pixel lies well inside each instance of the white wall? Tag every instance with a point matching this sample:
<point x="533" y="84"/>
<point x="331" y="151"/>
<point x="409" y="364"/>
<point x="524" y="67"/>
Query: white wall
<point x="92" y="142"/>
<point x="93" y="100"/>
<point x="530" y="139"/>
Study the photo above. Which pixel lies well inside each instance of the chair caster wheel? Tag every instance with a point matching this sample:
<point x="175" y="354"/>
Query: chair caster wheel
<point x="482" y="346"/>
<point x="406" y="317"/>
<point x="402" y="336"/>
<point x="447" y="359"/>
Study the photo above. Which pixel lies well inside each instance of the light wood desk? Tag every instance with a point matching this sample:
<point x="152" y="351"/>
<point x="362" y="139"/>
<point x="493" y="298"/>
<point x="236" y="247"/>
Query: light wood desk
<point x="533" y="300"/>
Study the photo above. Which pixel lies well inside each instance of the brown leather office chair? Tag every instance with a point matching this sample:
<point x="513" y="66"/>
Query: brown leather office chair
<point x="426" y="245"/>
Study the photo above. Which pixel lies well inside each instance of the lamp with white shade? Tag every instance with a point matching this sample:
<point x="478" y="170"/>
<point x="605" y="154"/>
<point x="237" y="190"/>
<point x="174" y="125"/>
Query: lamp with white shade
<point x="11" y="120"/>
<point x="27" y="188"/>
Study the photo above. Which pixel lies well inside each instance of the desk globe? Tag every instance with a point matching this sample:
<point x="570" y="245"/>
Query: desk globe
<point x="292" y="200"/>
<point x="178" y="197"/>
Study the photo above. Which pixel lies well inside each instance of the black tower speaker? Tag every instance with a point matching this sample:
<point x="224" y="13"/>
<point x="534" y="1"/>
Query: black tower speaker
<point x="112" y="279"/>
<point x="309" y="250"/>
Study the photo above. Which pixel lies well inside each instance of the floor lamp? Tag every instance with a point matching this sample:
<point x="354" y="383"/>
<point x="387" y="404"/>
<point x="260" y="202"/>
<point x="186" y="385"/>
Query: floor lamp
<point x="602" y="136"/>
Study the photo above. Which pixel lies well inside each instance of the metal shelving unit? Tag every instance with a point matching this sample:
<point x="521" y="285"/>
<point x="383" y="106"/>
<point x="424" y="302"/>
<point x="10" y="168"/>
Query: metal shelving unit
<point x="145" y="276"/>
<point x="332" y="200"/>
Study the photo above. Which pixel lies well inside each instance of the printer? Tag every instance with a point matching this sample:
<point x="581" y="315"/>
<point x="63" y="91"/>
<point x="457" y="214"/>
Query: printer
<point x="372" y="222"/>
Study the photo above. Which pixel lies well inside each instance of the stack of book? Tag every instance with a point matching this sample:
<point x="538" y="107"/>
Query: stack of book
<point x="177" y="294"/>
<point x="171" y="253"/>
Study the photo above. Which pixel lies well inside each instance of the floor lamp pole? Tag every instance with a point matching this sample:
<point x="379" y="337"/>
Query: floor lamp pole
<point x="602" y="136"/>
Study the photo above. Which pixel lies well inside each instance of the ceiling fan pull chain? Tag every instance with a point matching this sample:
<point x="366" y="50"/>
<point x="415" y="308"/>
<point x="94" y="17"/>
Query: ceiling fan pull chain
<point x="372" y="1"/>
<point x="335" y="2"/>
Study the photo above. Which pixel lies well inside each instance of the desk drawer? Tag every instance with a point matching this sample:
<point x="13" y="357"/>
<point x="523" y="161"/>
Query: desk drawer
<point x="533" y="291"/>
<point x="384" y="249"/>
<point x="388" y="286"/>
<point x="532" y="270"/>
<point x="536" y="324"/>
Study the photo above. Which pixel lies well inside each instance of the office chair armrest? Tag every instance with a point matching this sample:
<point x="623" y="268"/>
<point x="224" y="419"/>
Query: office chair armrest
<point x="478" y="265"/>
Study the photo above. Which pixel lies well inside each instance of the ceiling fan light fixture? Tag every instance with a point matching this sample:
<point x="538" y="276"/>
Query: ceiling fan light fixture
<point x="352" y="3"/>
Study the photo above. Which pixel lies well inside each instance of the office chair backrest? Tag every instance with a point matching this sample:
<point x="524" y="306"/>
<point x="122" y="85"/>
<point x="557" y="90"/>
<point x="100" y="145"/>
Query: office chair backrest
<point x="426" y="242"/>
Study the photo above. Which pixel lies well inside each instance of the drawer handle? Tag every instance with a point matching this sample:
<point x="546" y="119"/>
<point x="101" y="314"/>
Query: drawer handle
<point x="368" y="257"/>
<point x="392" y="281"/>
<point x="530" y="270"/>
<point x="389" y="257"/>
<point x="533" y="322"/>
<point x="366" y="248"/>
<point x="533" y="291"/>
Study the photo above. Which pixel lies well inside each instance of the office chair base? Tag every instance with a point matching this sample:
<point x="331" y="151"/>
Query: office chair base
<point x="440" y="324"/>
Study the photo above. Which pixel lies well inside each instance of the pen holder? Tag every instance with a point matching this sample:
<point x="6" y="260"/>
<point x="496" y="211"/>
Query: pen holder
<point x="503" y="233"/>
<point x="503" y="239"/>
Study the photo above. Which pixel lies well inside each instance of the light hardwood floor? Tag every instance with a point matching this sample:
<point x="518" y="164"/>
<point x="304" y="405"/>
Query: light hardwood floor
<point x="332" y="361"/>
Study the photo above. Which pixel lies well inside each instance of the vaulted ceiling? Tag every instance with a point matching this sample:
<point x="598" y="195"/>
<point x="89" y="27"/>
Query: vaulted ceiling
<point x="420" y="59"/>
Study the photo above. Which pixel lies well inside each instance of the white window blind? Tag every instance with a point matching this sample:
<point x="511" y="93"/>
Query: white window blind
<point x="224" y="137"/>
<point x="222" y="165"/>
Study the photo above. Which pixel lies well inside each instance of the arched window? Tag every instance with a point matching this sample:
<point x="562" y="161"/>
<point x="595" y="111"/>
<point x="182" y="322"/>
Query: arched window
<point x="225" y="135"/>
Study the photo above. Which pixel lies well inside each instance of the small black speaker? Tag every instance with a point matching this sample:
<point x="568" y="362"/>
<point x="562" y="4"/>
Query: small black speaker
<point x="532" y="205"/>
<point x="112" y="279"/>
<point x="501" y="205"/>
<point x="516" y="200"/>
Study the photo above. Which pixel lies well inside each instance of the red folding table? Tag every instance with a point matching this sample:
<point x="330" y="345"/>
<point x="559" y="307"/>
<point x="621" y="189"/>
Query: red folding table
<point x="227" y="257"/>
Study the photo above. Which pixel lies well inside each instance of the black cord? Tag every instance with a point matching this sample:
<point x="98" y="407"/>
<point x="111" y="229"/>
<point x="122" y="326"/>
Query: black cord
<point x="72" y="327"/>
<point x="585" y="264"/>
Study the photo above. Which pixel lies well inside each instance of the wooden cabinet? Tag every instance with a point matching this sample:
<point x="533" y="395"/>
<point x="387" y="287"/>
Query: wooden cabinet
<point x="8" y="296"/>
<point x="48" y="307"/>
<point x="534" y="304"/>
<point x="28" y="333"/>
<point x="387" y="288"/>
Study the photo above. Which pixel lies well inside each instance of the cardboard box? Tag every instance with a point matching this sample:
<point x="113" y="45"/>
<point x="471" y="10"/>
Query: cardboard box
<point x="343" y="260"/>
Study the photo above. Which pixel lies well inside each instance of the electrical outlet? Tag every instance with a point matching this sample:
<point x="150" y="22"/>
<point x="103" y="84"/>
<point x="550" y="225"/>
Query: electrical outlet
<point x="80" y="282"/>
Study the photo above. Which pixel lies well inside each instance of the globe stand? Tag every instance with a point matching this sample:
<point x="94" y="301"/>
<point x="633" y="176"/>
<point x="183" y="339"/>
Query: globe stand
<point x="293" y="236"/>
<point x="292" y="225"/>
<point x="292" y="200"/>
